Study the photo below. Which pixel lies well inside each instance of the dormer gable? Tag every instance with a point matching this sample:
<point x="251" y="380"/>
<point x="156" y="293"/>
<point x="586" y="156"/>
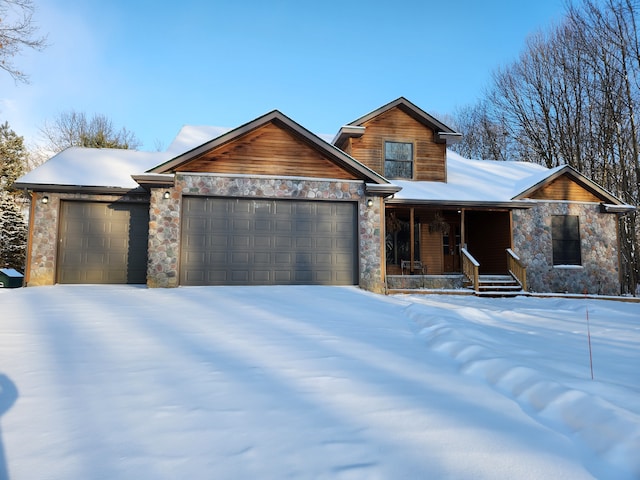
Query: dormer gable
<point x="270" y="145"/>
<point x="399" y="140"/>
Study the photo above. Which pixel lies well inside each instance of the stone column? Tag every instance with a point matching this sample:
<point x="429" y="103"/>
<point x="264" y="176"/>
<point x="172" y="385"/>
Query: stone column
<point x="164" y="237"/>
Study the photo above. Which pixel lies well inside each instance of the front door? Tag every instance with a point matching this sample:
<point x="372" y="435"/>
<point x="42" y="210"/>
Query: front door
<point x="451" y="248"/>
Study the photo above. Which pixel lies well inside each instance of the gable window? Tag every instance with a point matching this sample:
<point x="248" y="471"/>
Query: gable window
<point x="398" y="160"/>
<point x="565" y="236"/>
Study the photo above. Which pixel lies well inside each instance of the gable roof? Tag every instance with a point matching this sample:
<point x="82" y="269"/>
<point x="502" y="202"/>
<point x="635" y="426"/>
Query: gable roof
<point x="276" y="117"/>
<point x="535" y="184"/>
<point x="495" y="183"/>
<point x="443" y="133"/>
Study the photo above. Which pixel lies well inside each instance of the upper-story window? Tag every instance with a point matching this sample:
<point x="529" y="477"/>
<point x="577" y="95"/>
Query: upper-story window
<point x="398" y="160"/>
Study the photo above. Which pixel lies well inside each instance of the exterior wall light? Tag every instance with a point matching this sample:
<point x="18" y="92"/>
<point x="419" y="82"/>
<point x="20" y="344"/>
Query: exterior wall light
<point x="45" y="200"/>
<point x="166" y="195"/>
<point x="370" y="203"/>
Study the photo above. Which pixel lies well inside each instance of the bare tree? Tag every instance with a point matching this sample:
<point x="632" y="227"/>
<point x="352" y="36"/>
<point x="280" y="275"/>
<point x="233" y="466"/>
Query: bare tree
<point x="75" y="129"/>
<point x="573" y="97"/>
<point x="17" y="32"/>
<point x="484" y="137"/>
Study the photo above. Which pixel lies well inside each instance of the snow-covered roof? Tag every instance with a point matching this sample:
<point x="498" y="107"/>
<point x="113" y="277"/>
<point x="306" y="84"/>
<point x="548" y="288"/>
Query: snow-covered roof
<point x="467" y="180"/>
<point x="192" y="136"/>
<point x="110" y="167"/>
<point x="93" y="167"/>
<point x="475" y="181"/>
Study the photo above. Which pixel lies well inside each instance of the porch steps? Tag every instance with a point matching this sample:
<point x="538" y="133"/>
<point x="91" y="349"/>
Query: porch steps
<point x="498" y="286"/>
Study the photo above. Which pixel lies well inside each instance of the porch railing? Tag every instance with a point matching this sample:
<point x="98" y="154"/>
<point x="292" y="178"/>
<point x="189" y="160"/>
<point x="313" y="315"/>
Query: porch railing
<point x="471" y="269"/>
<point x="517" y="269"/>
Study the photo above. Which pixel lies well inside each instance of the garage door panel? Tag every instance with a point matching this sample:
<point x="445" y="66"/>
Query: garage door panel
<point x="240" y="258"/>
<point x="263" y="241"/>
<point x="282" y="276"/>
<point x="283" y="242"/>
<point x="326" y="243"/>
<point x="262" y="258"/>
<point x="304" y="242"/>
<point x="218" y="240"/>
<point x="270" y="242"/>
<point x="242" y="241"/>
<point x="102" y="242"/>
<point x="284" y="226"/>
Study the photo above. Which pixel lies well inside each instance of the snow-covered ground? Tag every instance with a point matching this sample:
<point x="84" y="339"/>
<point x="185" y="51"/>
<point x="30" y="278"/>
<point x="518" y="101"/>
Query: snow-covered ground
<point x="123" y="382"/>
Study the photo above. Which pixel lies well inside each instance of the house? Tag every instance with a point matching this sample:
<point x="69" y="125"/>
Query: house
<point x="269" y="202"/>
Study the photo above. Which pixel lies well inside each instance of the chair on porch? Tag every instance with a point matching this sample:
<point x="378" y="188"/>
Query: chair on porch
<point x="418" y="267"/>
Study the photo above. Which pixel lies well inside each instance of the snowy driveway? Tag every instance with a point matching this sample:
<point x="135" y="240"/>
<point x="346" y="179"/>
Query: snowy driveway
<point x="313" y="382"/>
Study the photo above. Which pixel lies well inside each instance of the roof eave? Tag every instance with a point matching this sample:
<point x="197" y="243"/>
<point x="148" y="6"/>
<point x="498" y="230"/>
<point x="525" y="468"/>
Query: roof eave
<point x="88" y="189"/>
<point x="462" y="203"/>
<point x="382" y="190"/>
<point x="154" y="180"/>
<point x="621" y="209"/>
<point x="448" y="137"/>
<point x="347" y="131"/>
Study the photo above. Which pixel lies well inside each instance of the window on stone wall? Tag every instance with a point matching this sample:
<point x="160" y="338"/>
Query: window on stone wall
<point x="565" y="235"/>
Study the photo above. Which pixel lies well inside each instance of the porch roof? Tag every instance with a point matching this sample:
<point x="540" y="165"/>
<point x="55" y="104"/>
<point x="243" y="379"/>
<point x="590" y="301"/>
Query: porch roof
<point x="473" y="182"/>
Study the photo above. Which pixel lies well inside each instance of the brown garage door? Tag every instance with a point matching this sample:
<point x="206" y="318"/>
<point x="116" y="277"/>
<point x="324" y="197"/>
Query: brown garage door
<point x="103" y="242"/>
<point x="228" y="241"/>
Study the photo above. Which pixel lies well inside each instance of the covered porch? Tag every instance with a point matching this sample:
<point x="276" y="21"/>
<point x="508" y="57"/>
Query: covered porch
<point x="450" y="248"/>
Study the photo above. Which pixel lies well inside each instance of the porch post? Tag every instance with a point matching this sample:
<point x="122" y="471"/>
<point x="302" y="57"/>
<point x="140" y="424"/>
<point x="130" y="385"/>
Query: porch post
<point x="411" y="238"/>
<point x="463" y="233"/>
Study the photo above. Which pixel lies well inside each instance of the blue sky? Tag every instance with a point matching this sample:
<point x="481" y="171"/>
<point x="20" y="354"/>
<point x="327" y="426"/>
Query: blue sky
<point x="153" y="68"/>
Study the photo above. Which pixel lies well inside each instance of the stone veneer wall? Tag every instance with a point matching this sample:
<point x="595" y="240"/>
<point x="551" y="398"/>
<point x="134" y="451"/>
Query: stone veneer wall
<point x="164" y="217"/>
<point x="599" y="272"/>
<point x="43" y="224"/>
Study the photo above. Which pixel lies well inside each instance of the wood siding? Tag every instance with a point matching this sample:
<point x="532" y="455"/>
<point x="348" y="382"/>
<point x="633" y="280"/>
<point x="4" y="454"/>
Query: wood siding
<point x="268" y="150"/>
<point x="564" y="188"/>
<point x="397" y="126"/>
<point x="431" y="250"/>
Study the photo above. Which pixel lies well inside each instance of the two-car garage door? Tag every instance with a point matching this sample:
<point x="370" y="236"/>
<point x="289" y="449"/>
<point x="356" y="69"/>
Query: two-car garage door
<point x="240" y="241"/>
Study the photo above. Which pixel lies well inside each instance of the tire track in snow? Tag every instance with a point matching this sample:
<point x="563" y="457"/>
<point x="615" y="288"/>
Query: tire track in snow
<point x="606" y="430"/>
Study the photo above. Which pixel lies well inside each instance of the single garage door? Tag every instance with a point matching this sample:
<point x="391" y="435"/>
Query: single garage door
<point x="228" y="241"/>
<point x="103" y="242"/>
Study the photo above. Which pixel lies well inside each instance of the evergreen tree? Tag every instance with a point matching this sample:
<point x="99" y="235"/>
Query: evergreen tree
<point x="13" y="234"/>
<point x="13" y="157"/>
<point x="13" y="231"/>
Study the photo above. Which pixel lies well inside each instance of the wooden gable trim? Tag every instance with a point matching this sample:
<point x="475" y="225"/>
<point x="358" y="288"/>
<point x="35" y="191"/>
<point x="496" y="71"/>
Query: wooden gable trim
<point x="442" y="133"/>
<point x="267" y="150"/>
<point x="338" y="159"/>
<point x="567" y="184"/>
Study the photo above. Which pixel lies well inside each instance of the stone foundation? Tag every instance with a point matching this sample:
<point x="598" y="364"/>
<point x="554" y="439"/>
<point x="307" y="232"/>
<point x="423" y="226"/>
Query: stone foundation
<point x="427" y="282"/>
